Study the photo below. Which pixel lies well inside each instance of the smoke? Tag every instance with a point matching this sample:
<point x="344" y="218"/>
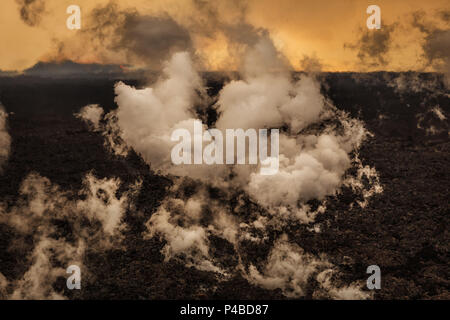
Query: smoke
<point x="311" y="64"/>
<point x="366" y="182"/>
<point x="43" y="201"/>
<point x="117" y="35"/>
<point x="267" y="97"/>
<point x="152" y="38"/>
<point x="225" y="18"/>
<point x="444" y="15"/>
<point x="312" y="162"/>
<point x="318" y="146"/>
<point x="93" y="219"/>
<point x="226" y="21"/>
<point x="431" y="116"/>
<point x="439" y="113"/>
<point x="436" y="44"/>
<point x="148" y="116"/>
<point x="373" y="46"/>
<point x="414" y="82"/>
<point x="37" y="283"/>
<point x="433" y="122"/>
<point x="291" y="269"/>
<point x="31" y="11"/>
<point x="178" y="222"/>
<point x="92" y="115"/>
<point x="5" y="138"/>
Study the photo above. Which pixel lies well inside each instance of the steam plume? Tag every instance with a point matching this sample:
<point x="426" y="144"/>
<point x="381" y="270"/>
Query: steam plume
<point x="436" y="45"/>
<point x="318" y="145"/>
<point x="116" y="35"/>
<point x="373" y="46"/>
<point x="94" y="220"/>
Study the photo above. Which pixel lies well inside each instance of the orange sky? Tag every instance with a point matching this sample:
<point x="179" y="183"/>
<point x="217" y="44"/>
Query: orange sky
<point x="298" y="28"/>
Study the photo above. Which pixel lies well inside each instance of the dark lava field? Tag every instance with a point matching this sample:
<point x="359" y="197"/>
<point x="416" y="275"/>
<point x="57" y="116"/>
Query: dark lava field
<point x="403" y="230"/>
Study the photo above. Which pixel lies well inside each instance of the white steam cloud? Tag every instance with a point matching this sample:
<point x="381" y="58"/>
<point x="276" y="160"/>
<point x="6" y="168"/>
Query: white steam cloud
<point x="290" y="269"/>
<point x="148" y="116"/>
<point x="95" y="220"/>
<point x="318" y="145"/>
<point x="91" y="114"/>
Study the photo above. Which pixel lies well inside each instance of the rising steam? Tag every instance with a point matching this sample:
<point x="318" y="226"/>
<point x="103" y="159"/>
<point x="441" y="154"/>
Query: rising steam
<point x="95" y="220"/>
<point x="318" y="145"/>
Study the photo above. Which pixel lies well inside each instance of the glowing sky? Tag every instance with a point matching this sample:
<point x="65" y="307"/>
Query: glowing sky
<point x="317" y="28"/>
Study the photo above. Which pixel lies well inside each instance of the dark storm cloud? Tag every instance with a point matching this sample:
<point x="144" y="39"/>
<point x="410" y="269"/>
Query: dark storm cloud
<point x="373" y="45"/>
<point x="31" y="11"/>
